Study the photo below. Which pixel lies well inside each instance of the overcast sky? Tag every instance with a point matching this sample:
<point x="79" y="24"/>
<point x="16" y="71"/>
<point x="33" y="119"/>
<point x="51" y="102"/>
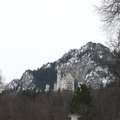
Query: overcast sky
<point x="34" y="32"/>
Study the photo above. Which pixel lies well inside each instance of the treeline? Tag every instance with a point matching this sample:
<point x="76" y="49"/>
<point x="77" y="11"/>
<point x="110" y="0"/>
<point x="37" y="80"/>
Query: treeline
<point x="102" y="104"/>
<point x="106" y="103"/>
<point x="28" y="106"/>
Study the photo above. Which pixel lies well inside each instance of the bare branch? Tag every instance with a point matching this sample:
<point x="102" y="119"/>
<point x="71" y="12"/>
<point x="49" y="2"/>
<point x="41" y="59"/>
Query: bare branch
<point x="110" y="15"/>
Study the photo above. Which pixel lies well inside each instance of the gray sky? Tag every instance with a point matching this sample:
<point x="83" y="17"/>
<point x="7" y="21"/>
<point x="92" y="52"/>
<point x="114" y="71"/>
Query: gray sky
<point x="34" y="32"/>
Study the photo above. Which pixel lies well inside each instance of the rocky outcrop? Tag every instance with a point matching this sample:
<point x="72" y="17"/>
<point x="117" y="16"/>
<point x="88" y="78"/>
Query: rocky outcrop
<point x="90" y="65"/>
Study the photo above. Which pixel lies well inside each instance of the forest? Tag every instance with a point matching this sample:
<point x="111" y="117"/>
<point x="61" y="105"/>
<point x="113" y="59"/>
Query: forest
<point x="91" y="104"/>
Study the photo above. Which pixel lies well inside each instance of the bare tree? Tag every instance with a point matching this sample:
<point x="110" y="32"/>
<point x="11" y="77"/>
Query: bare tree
<point x="109" y="10"/>
<point x="1" y="82"/>
<point x="110" y="15"/>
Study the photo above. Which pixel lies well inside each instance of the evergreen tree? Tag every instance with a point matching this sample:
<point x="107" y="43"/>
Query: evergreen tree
<point x="81" y="102"/>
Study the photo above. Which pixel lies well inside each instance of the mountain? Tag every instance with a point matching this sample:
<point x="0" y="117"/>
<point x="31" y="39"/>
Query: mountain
<point x="91" y="65"/>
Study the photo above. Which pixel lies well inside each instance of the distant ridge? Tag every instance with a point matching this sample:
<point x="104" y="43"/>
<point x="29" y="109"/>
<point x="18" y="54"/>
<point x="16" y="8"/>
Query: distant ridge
<point x="89" y="65"/>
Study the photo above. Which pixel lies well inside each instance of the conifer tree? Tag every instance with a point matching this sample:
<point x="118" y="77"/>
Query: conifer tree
<point x="81" y="102"/>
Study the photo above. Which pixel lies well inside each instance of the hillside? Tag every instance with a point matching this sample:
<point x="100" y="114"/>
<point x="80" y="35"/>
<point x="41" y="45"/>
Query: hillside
<point x="91" y="65"/>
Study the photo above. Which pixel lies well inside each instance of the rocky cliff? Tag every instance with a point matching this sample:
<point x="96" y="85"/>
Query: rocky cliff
<point x="90" y="65"/>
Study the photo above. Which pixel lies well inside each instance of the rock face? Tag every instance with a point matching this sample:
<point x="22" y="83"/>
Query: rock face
<point x="13" y="85"/>
<point x="25" y="83"/>
<point x="89" y="65"/>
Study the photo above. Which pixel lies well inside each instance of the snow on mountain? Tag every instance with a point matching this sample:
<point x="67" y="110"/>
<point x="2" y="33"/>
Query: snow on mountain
<point x="25" y="83"/>
<point x="90" y="65"/>
<point x="12" y="85"/>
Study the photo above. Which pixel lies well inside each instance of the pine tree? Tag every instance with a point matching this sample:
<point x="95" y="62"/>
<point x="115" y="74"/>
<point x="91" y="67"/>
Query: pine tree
<point x="81" y="102"/>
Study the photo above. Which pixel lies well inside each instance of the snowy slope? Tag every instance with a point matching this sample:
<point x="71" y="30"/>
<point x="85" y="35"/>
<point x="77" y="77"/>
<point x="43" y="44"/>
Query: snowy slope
<point x="90" y="65"/>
